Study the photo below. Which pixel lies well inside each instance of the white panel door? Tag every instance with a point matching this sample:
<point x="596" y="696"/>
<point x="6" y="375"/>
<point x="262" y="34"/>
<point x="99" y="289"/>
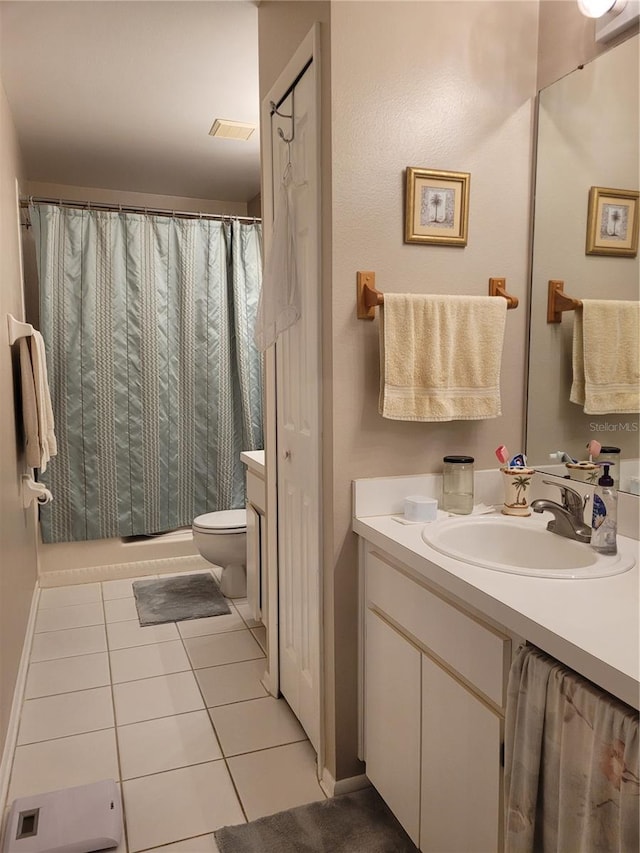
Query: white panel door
<point x="298" y="420"/>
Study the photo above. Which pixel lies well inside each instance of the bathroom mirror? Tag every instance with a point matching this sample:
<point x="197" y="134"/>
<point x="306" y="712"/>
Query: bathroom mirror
<point x="588" y="127"/>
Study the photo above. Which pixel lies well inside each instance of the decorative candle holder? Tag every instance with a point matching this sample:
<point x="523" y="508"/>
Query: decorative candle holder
<point x="516" y="490"/>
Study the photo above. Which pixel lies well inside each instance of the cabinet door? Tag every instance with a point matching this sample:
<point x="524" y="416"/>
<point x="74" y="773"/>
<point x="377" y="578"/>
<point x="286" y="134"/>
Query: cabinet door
<point x="461" y="773"/>
<point x="392" y="720"/>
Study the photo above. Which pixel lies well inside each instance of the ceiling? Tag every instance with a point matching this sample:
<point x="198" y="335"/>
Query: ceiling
<point x="121" y="94"/>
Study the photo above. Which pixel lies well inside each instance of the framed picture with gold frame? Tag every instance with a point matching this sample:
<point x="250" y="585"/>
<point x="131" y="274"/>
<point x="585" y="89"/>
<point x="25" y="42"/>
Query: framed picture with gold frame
<point x="437" y="207"/>
<point x="612" y="222"/>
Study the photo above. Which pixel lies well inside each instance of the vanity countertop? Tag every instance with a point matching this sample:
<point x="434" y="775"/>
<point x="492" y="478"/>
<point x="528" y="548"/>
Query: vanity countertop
<point x="254" y="460"/>
<point x="592" y="625"/>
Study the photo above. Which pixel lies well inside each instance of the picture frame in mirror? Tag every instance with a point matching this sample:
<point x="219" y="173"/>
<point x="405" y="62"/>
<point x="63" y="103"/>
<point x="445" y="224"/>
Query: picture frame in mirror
<point x="612" y="222"/>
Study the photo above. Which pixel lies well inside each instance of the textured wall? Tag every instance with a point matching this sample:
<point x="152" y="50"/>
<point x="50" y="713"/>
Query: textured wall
<point x="437" y="85"/>
<point x="17" y="528"/>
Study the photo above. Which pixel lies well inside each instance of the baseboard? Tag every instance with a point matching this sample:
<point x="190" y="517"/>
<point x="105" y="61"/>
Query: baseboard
<point x="333" y="788"/>
<point x="16" y="705"/>
<point x="117" y="571"/>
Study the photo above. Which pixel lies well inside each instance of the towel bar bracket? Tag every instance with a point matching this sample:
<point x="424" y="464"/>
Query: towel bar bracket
<point x="368" y="297"/>
<point x="497" y="287"/>
<point x="18" y="329"/>
<point x="557" y="301"/>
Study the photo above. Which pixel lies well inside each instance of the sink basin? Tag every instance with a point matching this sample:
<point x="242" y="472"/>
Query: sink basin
<point x="520" y="546"/>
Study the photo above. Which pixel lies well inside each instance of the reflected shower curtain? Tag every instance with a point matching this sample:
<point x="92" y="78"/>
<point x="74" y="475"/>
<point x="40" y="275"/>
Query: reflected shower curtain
<point x="155" y="380"/>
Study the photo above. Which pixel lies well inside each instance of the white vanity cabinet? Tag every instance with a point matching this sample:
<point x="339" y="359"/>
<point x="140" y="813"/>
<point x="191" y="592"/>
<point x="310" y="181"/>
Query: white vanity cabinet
<point x="434" y="692"/>
<point x="256" y="532"/>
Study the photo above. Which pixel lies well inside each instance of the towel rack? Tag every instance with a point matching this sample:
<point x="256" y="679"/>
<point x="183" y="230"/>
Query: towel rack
<point x="18" y="329"/>
<point x="557" y="302"/>
<point x="368" y="298"/>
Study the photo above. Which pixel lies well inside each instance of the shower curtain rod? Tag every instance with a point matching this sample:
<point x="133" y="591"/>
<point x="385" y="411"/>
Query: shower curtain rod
<point x="129" y="208"/>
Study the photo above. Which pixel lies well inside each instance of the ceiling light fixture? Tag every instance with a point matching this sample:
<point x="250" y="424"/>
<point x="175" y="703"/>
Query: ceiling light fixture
<point x="613" y="17"/>
<point x="598" y="8"/>
<point x="227" y="129"/>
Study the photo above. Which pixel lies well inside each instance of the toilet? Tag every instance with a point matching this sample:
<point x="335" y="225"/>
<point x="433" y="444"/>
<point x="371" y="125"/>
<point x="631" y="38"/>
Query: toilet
<point x="221" y="538"/>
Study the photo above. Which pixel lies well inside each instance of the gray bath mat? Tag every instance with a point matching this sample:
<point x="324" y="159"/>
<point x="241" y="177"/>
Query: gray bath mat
<point x="178" y="598"/>
<point x="351" y="823"/>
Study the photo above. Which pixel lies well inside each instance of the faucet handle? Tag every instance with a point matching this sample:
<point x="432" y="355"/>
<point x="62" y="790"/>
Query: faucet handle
<point x="572" y="500"/>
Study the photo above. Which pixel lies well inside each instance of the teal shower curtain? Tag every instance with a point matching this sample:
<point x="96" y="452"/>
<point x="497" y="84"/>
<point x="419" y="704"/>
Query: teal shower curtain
<point x="155" y="380"/>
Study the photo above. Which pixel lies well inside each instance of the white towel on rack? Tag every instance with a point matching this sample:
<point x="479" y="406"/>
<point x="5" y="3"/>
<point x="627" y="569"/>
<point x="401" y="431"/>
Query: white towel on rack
<point x="440" y="357"/>
<point x="48" y="444"/>
<point x="606" y="357"/>
<point x="31" y="434"/>
<point x="279" y="304"/>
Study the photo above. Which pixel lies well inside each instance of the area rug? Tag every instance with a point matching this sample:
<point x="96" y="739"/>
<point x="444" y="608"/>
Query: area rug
<point x="178" y="598"/>
<point x="351" y="823"/>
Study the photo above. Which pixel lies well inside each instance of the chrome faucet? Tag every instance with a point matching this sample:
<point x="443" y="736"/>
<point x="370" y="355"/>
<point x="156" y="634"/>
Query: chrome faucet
<point x="568" y="517"/>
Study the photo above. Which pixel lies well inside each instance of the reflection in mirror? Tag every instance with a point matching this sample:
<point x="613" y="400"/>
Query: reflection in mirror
<point x="588" y="125"/>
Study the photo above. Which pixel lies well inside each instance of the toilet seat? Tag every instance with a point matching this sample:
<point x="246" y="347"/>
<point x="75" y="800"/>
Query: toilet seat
<point x="225" y="521"/>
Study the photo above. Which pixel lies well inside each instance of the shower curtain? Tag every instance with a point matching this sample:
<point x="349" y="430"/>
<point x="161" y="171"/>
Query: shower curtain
<point x="155" y="379"/>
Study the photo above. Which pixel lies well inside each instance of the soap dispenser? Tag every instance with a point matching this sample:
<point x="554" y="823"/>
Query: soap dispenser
<point x="604" y="520"/>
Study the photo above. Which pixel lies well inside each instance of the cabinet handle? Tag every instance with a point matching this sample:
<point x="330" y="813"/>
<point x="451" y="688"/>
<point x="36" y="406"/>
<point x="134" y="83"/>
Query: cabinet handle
<point x="287" y="454"/>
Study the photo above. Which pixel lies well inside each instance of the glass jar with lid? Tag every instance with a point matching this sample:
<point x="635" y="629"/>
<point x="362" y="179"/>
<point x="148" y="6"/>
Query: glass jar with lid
<point x="457" y="484"/>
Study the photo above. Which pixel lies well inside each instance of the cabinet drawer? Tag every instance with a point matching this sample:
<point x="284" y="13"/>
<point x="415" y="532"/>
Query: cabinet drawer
<point x="256" y="491"/>
<point x="474" y="651"/>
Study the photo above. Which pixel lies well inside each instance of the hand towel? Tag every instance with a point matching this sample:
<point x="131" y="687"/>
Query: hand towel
<point x="48" y="445"/>
<point x="606" y="357"/>
<point x="440" y="357"/>
<point x="29" y="407"/>
<point x="279" y="304"/>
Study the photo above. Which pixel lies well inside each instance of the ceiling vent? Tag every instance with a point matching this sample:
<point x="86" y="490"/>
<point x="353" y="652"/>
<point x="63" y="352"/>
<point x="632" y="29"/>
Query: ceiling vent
<point x="231" y="129"/>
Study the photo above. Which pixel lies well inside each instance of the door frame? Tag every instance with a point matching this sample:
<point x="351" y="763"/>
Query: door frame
<point x="309" y="49"/>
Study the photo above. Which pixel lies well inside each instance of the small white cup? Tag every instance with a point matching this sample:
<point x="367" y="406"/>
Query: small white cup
<point x="420" y="508"/>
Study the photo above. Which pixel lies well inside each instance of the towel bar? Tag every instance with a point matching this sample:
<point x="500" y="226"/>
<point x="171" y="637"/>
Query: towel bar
<point x="368" y="298"/>
<point x="557" y="302"/>
<point x="17" y="329"/>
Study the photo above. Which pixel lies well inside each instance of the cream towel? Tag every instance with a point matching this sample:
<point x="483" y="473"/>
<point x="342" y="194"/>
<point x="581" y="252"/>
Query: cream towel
<point x="606" y="357"/>
<point x="440" y="357"/>
<point x="29" y="407"/>
<point x="48" y="445"/>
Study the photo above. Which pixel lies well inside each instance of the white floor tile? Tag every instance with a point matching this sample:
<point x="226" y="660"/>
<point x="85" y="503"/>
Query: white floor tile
<point x="272" y="780"/>
<point x="66" y="714"/>
<point x="121" y="610"/>
<point x="64" y="763"/>
<point x="61" y="596"/>
<point x="211" y="625"/>
<point x="232" y="682"/>
<point x="71" y="616"/>
<point x="121" y="588"/>
<point x="64" y="675"/>
<point x="201" y="844"/>
<point x="148" y="661"/>
<point x="257" y="724"/>
<point x="64" y="644"/>
<point x="242" y="606"/>
<point x="194" y="801"/>
<point x="260" y="634"/>
<point x="217" y="649"/>
<point x="124" y="635"/>
<point x="166" y="744"/>
<point x="151" y="698"/>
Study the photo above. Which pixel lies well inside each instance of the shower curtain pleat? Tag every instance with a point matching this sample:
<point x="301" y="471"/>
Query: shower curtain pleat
<point x="155" y="380"/>
<point x="572" y="762"/>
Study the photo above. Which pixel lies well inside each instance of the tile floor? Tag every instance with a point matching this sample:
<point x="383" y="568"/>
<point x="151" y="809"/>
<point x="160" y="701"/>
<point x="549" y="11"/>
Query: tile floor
<point x="175" y="713"/>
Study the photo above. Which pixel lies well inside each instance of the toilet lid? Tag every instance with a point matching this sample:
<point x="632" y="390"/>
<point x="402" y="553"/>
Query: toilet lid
<point x="226" y="521"/>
